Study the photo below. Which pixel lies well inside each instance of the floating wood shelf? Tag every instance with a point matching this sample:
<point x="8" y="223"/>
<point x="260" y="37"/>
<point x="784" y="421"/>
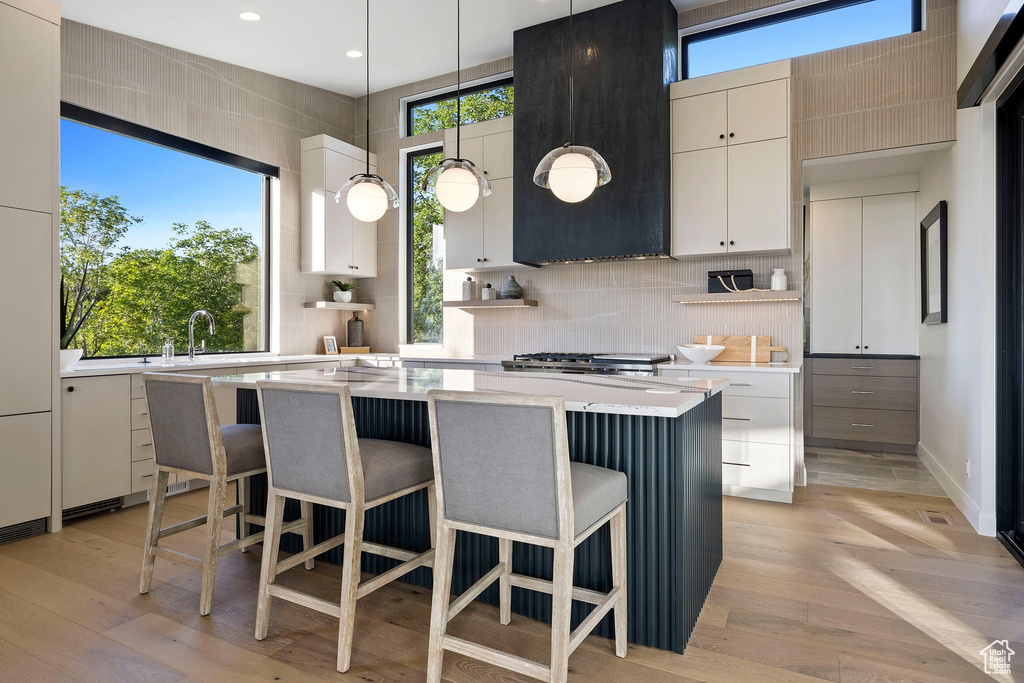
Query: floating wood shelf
<point x="492" y="303"/>
<point x="737" y="297"/>
<point x="354" y="306"/>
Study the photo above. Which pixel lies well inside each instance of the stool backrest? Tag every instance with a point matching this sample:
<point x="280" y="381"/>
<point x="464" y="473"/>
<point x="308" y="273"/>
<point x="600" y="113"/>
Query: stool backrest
<point x="309" y="434"/>
<point x="502" y="462"/>
<point x="183" y="417"/>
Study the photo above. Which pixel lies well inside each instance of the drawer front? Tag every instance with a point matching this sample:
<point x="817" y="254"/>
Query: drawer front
<point x="142" y="475"/>
<point x="877" y="367"/>
<point x="142" y="445"/>
<point x="878" y="393"/>
<point x="757" y="465"/>
<point x="140" y="414"/>
<point x="138" y="387"/>
<point x="856" y="424"/>
<point x="761" y="384"/>
<point x="761" y="420"/>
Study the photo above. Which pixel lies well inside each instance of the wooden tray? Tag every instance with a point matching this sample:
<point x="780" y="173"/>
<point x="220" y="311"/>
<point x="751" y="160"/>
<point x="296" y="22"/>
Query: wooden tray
<point x="743" y="349"/>
<point x="353" y="349"/>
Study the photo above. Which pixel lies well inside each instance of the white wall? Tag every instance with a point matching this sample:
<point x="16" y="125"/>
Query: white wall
<point x="975" y="21"/>
<point x="958" y="358"/>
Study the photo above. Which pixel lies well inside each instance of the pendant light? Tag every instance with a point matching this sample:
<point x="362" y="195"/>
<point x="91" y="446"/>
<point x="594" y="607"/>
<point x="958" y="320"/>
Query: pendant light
<point x="572" y="171"/>
<point x="367" y="195"/>
<point x="457" y="182"/>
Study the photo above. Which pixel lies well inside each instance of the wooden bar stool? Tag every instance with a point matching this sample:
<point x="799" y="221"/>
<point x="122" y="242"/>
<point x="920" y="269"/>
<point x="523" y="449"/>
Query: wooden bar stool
<point x="313" y="455"/>
<point x="188" y="440"/>
<point x="501" y="464"/>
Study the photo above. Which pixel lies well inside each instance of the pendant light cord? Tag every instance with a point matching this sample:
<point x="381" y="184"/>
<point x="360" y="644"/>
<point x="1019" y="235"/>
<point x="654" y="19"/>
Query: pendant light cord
<point x="368" y="87"/>
<point x="458" y="79"/>
<point x="572" y="78"/>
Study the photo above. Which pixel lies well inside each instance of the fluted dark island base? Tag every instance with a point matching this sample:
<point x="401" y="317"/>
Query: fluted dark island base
<point x="674" y="513"/>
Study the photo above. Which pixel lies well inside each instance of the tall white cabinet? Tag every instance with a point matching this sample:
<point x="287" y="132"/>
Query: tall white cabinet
<point x="730" y="162"/>
<point x="29" y="225"/>
<point x="863" y="280"/>
<point x="332" y="241"/>
<point x="481" y="238"/>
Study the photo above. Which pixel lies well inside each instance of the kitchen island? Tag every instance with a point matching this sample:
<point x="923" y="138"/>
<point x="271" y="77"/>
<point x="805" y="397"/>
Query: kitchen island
<point x="664" y="434"/>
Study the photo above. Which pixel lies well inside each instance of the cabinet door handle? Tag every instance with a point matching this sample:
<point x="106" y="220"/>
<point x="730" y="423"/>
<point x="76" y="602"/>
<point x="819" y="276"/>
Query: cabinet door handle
<point x="732" y="135"/>
<point x="145" y="444"/>
<point x="737" y="419"/>
<point x="145" y="476"/>
<point x="70" y="389"/>
<point x="479" y="260"/>
<point x="486" y="260"/>
<point x="737" y="464"/>
<point x="862" y="367"/>
<point x="862" y="392"/>
<point x="722" y="243"/>
<point x="860" y="424"/>
<point x="731" y="243"/>
<point x="722" y="136"/>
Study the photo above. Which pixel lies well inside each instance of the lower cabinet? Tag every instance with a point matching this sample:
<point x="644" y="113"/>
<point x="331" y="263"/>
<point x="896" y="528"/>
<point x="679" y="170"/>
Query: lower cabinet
<point x="759" y="443"/>
<point x="442" y="364"/>
<point x="96" y="420"/>
<point x="24" y="468"/>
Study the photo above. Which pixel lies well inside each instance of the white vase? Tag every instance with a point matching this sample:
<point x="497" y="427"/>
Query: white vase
<point x="779" y="280"/>
<point x="343" y="297"/>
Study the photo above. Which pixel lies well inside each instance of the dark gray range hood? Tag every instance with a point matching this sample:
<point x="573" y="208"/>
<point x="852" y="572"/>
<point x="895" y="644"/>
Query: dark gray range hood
<point x="626" y="57"/>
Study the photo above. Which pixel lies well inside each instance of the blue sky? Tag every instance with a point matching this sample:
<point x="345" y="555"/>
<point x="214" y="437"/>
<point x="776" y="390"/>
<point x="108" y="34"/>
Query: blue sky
<point x="161" y="186"/>
<point x="847" y="26"/>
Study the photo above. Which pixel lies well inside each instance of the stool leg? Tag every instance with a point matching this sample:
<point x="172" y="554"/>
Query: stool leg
<point x="214" y="522"/>
<point x="443" y="560"/>
<point x="157" y="495"/>
<point x="432" y="514"/>
<point x="268" y="570"/>
<point x="306" y="509"/>
<point x="242" y="498"/>
<point x="349" y="584"/>
<point x="505" y="582"/>
<point x="561" y="612"/>
<point x="618" y="536"/>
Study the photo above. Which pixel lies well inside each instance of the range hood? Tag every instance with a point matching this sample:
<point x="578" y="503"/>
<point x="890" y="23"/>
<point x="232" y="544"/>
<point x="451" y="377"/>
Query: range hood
<point x="625" y="59"/>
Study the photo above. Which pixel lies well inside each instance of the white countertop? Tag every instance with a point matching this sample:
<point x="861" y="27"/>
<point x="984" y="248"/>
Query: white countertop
<point x="792" y="367"/>
<point x="623" y="395"/>
<point x="479" y="360"/>
<point x="121" y="366"/>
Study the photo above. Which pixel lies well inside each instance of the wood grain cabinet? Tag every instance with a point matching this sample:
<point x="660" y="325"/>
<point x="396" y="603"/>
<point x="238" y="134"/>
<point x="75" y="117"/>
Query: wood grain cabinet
<point x="481" y="238"/>
<point x="730" y="162"/>
<point x="332" y="241"/>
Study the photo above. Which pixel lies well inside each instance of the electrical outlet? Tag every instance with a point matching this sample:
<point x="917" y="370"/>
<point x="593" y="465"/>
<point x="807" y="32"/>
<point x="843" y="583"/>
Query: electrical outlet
<point x="968" y="468"/>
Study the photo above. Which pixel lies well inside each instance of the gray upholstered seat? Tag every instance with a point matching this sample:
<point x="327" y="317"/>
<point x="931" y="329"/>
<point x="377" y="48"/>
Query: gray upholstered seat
<point x="596" y="491"/>
<point x="243" y="445"/>
<point x="390" y="466"/>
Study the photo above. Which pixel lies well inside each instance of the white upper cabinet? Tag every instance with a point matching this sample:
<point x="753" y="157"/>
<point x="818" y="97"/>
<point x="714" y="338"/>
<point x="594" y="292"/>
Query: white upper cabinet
<point x="481" y="237"/>
<point x="863" y="284"/>
<point x="333" y="242"/>
<point x="730" y="162"/>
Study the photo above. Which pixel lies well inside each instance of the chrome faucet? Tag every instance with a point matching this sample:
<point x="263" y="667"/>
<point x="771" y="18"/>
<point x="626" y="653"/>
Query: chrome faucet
<point x="191" y="328"/>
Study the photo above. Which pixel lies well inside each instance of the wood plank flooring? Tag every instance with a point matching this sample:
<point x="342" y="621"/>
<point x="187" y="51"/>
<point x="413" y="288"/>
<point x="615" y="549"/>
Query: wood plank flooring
<point x="897" y="472"/>
<point x="843" y="585"/>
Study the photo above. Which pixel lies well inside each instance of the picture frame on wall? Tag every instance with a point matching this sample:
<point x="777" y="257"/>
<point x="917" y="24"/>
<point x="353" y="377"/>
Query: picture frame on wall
<point x="330" y="345"/>
<point x="933" y="266"/>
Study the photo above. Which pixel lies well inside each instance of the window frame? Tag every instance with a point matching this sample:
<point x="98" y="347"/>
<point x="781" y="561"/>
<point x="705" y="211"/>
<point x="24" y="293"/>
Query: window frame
<point x="449" y="94"/>
<point x="269" y="173"/>
<point x="685" y="39"/>
<point x="410" y="229"/>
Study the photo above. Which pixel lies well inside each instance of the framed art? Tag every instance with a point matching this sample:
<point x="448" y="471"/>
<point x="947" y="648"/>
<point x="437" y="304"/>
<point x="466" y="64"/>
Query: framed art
<point x="933" y="266"/>
<point x="330" y="345"/>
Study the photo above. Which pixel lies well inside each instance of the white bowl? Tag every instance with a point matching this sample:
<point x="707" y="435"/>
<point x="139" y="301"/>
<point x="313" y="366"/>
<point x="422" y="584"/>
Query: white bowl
<point x="69" y="357"/>
<point x="699" y="354"/>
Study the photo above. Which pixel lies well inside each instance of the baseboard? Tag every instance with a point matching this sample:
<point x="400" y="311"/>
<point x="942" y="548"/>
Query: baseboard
<point x="983" y="522"/>
<point x="757" y="494"/>
<point x="872" y="446"/>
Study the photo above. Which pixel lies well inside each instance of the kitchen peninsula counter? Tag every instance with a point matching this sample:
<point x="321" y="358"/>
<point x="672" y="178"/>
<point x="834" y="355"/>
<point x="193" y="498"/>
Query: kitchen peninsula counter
<point x="664" y="434"/>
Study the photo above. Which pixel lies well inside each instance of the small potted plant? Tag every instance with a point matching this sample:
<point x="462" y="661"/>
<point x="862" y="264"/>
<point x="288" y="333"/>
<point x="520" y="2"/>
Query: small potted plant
<point x="344" y="293"/>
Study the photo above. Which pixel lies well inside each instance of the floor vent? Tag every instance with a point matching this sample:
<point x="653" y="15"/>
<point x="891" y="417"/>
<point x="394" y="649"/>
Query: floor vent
<point x="100" y="506"/>
<point x="180" y="487"/>
<point x="17" y="532"/>
<point x="932" y="517"/>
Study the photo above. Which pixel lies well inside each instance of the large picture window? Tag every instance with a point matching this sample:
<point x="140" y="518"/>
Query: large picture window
<point x="814" y="28"/>
<point x="492" y="100"/>
<point x="155" y="227"/>
<point x="426" y="252"/>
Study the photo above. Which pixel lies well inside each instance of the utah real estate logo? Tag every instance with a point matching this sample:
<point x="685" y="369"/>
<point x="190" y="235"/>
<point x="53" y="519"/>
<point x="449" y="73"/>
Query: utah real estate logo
<point x="997" y="657"/>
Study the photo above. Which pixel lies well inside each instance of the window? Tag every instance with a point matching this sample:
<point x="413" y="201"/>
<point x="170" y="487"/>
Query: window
<point x="426" y="252"/>
<point x="482" y="103"/>
<point x="814" y="28"/>
<point x="154" y="227"/>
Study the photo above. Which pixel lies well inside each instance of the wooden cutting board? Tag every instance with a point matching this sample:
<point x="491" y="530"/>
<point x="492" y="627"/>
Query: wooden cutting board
<point x="742" y="349"/>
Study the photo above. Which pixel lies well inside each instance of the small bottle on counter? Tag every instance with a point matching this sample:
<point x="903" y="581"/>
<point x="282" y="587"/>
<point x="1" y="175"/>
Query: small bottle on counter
<point x="167" y="352"/>
<point x="779" y="280"/>
<point x="469" y="290"/>
<point x="488" y="293"/>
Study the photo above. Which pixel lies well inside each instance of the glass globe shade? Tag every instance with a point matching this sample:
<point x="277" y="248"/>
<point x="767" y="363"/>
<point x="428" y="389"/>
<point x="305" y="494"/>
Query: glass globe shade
<point x="367" y="202"/>
<point x="573" y="177"/>
<point x="457" y="189"/>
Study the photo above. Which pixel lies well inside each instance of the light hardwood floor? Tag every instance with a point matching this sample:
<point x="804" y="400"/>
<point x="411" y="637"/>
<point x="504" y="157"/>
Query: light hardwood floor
<point x="896" y="472"/>
<point x="844" y="585"/>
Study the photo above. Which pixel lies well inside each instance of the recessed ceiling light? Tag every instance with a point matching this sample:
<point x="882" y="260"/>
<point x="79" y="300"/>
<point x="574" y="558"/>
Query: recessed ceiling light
<point x="248" y="16"/>
<point x="354" y="54"/>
